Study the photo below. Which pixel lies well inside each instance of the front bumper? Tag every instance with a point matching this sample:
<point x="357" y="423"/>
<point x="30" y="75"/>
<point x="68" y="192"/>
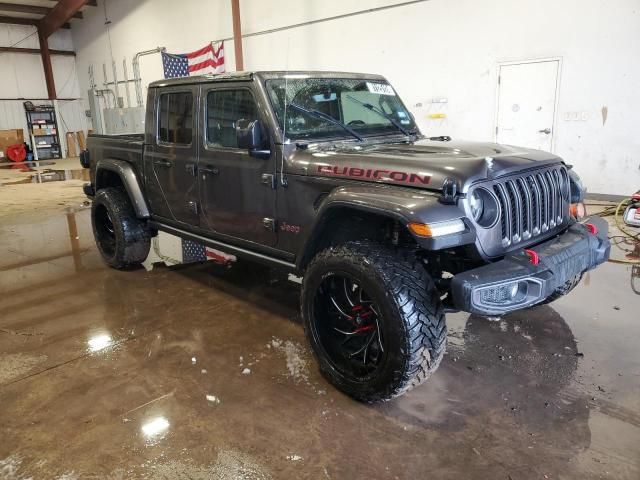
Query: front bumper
<point x="515" y="283"/>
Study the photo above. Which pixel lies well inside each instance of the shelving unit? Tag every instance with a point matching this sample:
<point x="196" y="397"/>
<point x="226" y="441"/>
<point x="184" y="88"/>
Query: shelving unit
<point x="43" y="124"/>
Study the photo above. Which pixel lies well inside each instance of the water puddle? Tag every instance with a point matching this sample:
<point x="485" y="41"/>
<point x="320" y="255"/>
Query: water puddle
<point x="42" y="172"/>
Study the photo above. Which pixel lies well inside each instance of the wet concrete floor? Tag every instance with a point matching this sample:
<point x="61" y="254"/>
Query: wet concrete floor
<point x="201" y="372"/>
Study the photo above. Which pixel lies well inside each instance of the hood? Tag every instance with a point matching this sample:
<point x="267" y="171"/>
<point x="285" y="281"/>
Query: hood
<point x="424" y="163"/>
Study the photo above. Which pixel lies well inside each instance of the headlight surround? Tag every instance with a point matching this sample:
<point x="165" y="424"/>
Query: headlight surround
<point x="577" y="188"/>
<point x="476" y="205"/>
<point x="484" y="207"/>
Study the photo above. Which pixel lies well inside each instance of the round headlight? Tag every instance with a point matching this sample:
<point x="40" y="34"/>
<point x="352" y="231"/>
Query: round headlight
<point x="476" y="205"/>
<point x="484" y="207"/>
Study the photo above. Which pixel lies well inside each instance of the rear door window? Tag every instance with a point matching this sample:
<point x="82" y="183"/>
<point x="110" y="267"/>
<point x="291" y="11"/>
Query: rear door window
<point x="175" y="118"/>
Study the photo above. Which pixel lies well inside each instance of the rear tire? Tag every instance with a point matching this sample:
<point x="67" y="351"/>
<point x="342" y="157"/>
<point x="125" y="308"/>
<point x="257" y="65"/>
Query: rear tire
<point x="122" y="238"/>
<point x="394" y="306"/>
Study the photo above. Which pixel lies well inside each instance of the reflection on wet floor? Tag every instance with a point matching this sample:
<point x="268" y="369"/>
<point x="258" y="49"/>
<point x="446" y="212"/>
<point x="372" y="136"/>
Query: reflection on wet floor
<point x="203" y="372"/>
<point x="42" y="171"/>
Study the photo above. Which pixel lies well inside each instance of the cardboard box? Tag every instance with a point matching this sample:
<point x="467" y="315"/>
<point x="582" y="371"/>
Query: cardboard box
<point x="82" y="140"/>
<point x="71" y="145"/>
<point x="10" y="137"/>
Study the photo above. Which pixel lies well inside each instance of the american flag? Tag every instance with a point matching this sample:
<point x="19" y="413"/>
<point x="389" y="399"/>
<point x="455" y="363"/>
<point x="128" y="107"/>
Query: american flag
<point x="205" y="60"/>
<point x="196" y="252"/>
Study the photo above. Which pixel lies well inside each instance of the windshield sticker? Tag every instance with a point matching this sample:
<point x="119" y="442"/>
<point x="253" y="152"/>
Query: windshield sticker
<point x="380" y="88"/>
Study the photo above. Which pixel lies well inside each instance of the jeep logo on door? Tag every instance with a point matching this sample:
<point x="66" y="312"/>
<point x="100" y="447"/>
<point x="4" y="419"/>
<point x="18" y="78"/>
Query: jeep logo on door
<point x="380" y="175"/>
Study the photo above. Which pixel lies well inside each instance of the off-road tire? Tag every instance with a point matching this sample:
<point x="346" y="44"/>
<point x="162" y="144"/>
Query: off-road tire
<point x="412" y="316"/>
<point x="562" y="290"/>
<point x="127" y="241"/>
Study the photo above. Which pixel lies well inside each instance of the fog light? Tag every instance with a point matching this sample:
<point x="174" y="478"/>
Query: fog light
<point x="505" y="294"/>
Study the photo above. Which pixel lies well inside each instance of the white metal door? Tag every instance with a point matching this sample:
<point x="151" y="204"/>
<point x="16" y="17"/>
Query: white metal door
<point x="526" y="104"/>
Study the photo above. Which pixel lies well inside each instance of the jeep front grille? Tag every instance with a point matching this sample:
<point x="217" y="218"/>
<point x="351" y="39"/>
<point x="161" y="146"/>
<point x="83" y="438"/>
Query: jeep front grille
<point x="532" y="204"/>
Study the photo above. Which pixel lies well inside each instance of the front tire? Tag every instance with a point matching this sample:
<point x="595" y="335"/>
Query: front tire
<point x="373" y="318"/>
<point x="123" y="239"/>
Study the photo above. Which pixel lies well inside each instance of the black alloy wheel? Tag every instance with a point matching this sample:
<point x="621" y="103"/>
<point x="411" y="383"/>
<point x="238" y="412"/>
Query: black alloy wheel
<point x="348" y="326"/>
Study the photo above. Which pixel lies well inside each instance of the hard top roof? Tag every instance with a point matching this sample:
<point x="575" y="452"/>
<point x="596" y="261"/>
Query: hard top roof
<point x="248" y="76"/>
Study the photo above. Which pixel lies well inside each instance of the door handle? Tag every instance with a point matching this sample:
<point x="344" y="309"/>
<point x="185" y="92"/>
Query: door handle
<point x="546" y="131"/>
<point x="163" y="163"/>
<point x="210" y="169"/>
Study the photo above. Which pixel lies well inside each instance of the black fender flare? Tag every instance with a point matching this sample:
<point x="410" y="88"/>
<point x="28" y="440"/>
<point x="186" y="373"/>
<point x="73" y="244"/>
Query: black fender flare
<point x="402" y="205"/>
<point x="129" y="178"/>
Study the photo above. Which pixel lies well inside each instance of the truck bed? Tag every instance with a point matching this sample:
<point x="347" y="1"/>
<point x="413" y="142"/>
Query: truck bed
<point x="116" y="146"/>
<point x="128" y="148"/>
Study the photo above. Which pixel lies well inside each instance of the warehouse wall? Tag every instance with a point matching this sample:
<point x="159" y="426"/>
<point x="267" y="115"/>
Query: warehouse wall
<point x="431" y="49"/>
<point x="22" y="78"/>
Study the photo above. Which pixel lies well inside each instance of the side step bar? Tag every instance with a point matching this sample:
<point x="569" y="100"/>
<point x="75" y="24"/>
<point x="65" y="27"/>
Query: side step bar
<point x="238" y="251"/>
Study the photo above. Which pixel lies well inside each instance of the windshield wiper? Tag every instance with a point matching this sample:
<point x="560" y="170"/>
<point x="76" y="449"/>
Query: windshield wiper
<point x="328" y="118"/>
<point x="371" y="108"/>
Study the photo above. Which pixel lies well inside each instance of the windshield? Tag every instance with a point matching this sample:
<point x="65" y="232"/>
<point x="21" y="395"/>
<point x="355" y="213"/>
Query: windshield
<point x="366" y="107"/>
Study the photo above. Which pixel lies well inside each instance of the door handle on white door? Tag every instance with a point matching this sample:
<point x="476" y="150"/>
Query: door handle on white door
<point x="546" y="131"/>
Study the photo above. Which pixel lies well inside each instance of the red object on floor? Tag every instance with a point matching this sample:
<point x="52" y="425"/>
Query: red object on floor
<point x="16" y="153"/>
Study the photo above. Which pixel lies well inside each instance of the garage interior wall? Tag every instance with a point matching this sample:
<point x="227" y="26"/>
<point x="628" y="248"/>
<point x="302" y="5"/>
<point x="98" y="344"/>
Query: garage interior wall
<point x="428" y="50"/>
<point x="22" y="79"/>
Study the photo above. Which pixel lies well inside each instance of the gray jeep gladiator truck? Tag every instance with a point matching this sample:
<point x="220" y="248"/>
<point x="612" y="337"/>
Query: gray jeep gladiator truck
<point x="326" y="175"/>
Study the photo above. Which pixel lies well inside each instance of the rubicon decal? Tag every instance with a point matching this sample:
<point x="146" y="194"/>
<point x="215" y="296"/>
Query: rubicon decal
<point x="369" y="173"/>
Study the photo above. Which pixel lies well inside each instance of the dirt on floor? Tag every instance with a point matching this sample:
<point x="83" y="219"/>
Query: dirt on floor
<point x="20" y="199"/>
<point x="40" y="187"/>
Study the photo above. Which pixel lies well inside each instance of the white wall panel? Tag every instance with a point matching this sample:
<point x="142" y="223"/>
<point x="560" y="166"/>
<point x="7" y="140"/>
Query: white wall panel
<point x="12" y="116"/>
<point x="8" y="81"/>
<point x="65" y="76"/>
<point x="62" y="39"/>
<point x="23" y="36"/>
<point x="71" y="116"/>
<point x="29" y="76"/>
<point x="22" y="75"/>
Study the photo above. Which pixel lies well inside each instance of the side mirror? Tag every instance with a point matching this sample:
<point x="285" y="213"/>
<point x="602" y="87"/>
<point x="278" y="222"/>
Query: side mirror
<point x="250" y="136"/>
